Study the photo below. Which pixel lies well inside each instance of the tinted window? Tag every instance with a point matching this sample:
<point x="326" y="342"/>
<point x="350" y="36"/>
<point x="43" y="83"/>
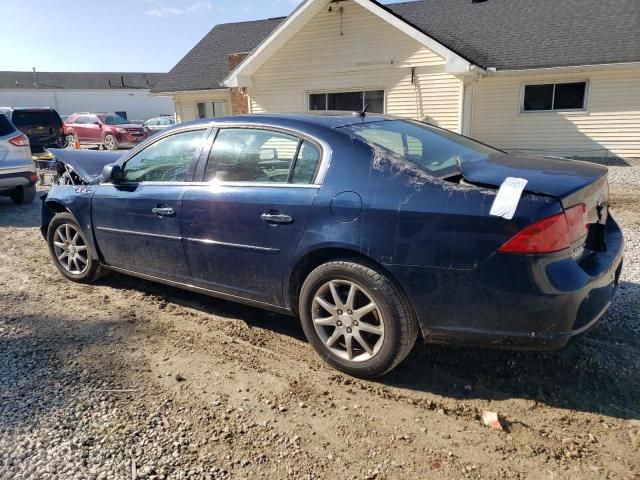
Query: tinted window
<point x="434" y="150"/>
<point x="27" y="118"/>
<point x="166" y="160"/>
<point x="538" y="97"/>
<point x="113" y="120"/>
<point x="5" y="126"/>
<point x="306" y="164"/>
<point x="251" y="155"/>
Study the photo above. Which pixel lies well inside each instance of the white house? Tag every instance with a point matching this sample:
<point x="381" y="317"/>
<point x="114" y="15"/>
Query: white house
<point x="544" y="76"/>
<point x="71" y="92"/>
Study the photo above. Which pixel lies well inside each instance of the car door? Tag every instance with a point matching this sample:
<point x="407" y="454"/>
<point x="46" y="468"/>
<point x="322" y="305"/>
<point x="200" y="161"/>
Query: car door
<point x="92" y="129"/>
<point x="137" y="220"/>
<point x="242" y="225"/>
<point x="80" y="127"/>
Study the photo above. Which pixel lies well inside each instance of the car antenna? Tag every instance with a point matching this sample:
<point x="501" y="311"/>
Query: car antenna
<point x="363" y="113"/>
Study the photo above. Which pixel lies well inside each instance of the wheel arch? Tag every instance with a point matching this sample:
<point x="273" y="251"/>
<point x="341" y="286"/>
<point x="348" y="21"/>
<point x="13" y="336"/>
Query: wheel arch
<point x="314" y="258"/>
<point x="49" y="210"/>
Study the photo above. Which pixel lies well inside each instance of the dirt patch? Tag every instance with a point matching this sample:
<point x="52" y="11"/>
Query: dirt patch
<point x="131" y="379"/>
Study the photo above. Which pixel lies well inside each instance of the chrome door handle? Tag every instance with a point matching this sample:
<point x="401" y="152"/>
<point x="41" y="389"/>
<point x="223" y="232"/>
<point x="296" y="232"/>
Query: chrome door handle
<point x="276" y="218"/>
<point x="164" y="211"/>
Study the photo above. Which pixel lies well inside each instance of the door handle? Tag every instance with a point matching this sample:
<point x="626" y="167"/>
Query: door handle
<point x="276" y="218"/>
<point x="164" y="211"/>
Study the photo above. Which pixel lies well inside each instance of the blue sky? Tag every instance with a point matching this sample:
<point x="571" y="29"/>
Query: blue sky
<point x="116" y="35"/>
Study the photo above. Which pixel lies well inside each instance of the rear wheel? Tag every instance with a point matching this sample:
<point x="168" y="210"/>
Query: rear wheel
<point x="23" y="194"/>
<point x="356" y="319"/>
<point x="110" y="142"/>
<point x="70" y="251"/>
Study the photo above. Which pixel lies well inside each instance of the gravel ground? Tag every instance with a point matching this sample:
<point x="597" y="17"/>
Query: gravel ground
<point x="127" y="379"/>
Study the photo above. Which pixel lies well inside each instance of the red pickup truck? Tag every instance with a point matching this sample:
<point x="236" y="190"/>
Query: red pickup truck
<point x="106" y="130"/>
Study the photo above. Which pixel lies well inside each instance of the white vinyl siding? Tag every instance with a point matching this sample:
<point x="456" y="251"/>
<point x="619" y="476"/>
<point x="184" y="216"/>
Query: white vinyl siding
<point x="361" y="52"/>
<point x="609" y="126"/>
<point x="187" y="103"/>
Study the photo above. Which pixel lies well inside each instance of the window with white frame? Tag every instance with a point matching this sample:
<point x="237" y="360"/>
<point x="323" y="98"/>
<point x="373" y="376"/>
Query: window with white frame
<point x="348" y="101"/>
<point x="550" y="97"/>
<point x="212" y="109"/>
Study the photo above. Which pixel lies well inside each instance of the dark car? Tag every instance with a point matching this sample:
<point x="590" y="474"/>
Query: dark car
<point x="43" y="126"/>
<point x="106" y="130"/>
<point x="372" y="229"/>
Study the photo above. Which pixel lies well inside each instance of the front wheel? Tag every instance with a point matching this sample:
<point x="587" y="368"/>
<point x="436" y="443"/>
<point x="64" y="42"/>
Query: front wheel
<point x="110" y="143"/>
<point x="356" y="319"/>
<point x="70" y="251"/>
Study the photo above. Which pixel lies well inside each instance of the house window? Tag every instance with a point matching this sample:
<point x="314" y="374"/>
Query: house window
<point x="555" y="96"/>
<point x="348" y="101"/>
<point x="212" y="109"/>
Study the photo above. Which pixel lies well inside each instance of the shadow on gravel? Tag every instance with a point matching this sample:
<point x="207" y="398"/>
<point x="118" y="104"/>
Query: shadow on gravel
<point x="20" y="216"/>
<point x="598" y="372"/>
<point x="38" y="370"/>
<point x="253" y="317"/>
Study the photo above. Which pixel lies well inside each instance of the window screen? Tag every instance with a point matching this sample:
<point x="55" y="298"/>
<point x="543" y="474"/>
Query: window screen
<point x="555" y="96"/>
<point x="348" y="101"/>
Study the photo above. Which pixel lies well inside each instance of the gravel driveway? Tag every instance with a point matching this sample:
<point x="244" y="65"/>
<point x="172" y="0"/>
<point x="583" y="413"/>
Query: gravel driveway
<point x="127" y="379"/>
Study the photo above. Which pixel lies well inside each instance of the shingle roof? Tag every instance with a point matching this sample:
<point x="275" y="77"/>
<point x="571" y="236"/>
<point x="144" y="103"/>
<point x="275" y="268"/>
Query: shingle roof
<point x="505" y="34"/>
<point x="207" y="64"/>
<point x="78" y="80"/>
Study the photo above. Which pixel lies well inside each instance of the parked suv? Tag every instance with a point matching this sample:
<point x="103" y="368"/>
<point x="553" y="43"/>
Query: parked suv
<point x="17" y="170"/>
<point x="43" y="126"/>
<point x="106" y="130"/>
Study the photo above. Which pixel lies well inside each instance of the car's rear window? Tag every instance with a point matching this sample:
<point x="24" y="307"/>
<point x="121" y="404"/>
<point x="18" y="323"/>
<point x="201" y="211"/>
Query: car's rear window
<point x="5" y="126"/>
<point x="28" y="118"/>
<point x="432" y="149"/>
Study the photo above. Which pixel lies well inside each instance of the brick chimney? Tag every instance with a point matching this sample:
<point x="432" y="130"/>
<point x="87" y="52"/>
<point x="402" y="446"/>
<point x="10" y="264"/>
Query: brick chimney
<point x="239" y="99"/>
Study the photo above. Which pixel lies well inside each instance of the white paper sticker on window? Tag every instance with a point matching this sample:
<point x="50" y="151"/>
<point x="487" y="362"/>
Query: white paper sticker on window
<point x="506" y="202"/>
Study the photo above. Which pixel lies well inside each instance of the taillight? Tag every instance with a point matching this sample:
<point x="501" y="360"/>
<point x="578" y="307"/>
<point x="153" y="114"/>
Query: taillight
<point x="550" y="234"/>
<point x="19" y="141"/>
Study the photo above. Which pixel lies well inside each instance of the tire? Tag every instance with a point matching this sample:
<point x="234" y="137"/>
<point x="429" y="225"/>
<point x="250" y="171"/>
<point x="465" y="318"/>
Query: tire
<point x="388" y="327"/>
<point x="110" y="143"/>
<point x="77" y="270"/>
<point x="22" y="195"/>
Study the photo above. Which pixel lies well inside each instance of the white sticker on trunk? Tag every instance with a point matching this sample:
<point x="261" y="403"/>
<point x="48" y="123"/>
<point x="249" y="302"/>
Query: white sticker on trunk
<point x="509" y="195"/>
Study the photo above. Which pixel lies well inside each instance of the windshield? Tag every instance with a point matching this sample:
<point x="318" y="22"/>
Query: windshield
<point x="432" y="149"/>
<point x="113" y="120"/>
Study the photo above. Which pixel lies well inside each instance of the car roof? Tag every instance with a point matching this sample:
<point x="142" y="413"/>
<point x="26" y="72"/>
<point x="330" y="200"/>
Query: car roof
<point x="330" y="120"/>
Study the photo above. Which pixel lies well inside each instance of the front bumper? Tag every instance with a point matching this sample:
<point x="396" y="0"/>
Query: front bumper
<point x="533" y="302"/>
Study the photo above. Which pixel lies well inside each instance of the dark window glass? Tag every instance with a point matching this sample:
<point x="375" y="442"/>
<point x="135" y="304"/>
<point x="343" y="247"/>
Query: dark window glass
<point x="375" y="100"/>
<point x="47" y="118"/>
<point x="569" y="96"/>
<point x="5" y="126"/>
<point x="251" y="155"/>
<point x="307" y="163"/>
<point x="348" y="101"/>
<point x="538" y="97"/>
<point x="317" y="101"/>
<point x="166" y="160"/>
<point x="432" y="149"/>
<point x="202" y="110"/>
<point x="113" y="120"/>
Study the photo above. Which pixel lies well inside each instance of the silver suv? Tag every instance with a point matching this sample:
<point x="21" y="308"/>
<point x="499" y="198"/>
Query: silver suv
<point x="17" y="171"/>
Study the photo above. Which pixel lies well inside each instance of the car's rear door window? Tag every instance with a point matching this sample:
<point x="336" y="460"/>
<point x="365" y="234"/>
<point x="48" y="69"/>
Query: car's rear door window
<point x="261" y="156"/>
<point x="167" y="160"/>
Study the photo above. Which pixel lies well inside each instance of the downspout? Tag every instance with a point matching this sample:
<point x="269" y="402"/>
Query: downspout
<point x="469" y="82"/>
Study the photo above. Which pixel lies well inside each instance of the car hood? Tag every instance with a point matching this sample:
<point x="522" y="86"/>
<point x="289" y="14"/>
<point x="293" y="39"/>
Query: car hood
<point x="87" y="164"/>
<point x="554" y="177"/>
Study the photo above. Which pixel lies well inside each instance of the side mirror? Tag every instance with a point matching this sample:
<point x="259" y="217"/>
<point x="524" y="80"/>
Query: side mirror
<point x="268" y="154"/>
<point x="112" y="173"/>
<point x="98" y="124"/>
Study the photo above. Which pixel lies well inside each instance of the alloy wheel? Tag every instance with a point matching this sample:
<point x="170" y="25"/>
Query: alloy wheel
<point x="70" y="249"/>
<point x="348" y="321"/>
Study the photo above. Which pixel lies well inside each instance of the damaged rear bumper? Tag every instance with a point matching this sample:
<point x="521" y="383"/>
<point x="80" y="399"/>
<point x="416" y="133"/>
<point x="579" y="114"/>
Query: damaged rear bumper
<point x="516" y="301"/>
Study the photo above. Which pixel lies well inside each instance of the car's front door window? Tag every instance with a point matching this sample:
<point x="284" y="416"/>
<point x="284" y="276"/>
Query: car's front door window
<point x="166" y="160"/>
<point x="251" y="155"/>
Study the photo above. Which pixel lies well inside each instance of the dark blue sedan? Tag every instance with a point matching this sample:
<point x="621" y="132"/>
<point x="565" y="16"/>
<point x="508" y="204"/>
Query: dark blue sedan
<point x="372" y="229"/>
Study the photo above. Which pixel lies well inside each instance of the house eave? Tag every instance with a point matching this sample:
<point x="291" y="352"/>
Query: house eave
<point x="566" y="69"/>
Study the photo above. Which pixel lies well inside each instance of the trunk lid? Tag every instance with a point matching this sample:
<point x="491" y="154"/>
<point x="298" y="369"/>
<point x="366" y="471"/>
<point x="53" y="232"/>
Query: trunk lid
<point x="571" y="182"/>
